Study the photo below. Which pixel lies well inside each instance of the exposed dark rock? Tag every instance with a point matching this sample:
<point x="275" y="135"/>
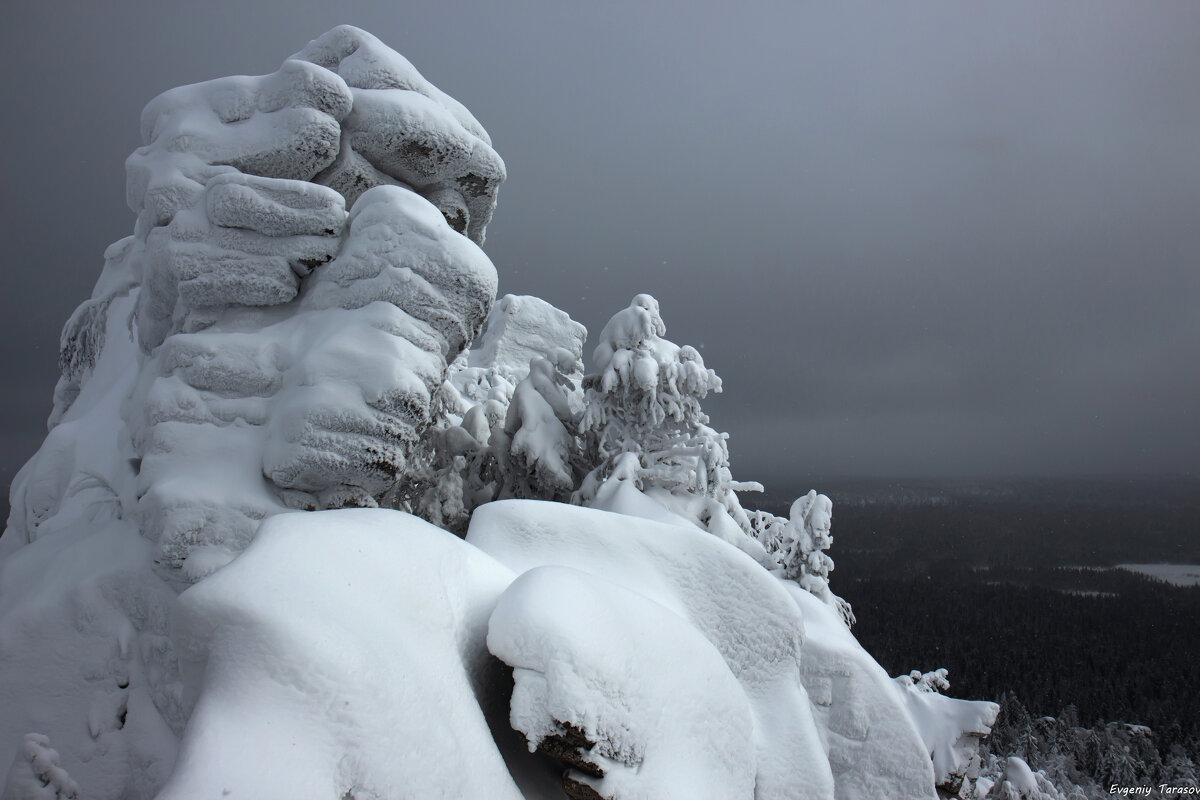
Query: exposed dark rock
<point x="571" y="747"/>
<point x="579" y="791"/>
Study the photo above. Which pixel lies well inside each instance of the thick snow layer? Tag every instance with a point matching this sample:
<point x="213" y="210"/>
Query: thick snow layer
<point x="950" y="728"/>
<point x="874" y="747"/>
<point x="612" y="662"/>
<point x="402" y="129"/>
<point x="739" y="607"/>
<point x="342" y="655"/>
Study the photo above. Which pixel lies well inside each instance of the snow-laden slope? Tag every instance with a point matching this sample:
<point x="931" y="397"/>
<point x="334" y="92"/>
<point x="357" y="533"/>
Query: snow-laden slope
<point x="285" y="330"/>
<point x="346" y="652"/>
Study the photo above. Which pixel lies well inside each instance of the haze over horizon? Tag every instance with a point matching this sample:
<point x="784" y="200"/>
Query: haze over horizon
<point x="935" y="240"/>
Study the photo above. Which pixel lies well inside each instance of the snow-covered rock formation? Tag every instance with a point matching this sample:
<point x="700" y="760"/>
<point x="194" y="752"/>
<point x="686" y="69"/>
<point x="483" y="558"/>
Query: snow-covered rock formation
<point x="189" y="609"/>
<point x="287" y="352"/>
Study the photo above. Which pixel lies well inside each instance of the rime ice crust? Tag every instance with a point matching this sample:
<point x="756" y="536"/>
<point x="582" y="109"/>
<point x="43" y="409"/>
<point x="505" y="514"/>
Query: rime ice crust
<point x="403" y="129"/>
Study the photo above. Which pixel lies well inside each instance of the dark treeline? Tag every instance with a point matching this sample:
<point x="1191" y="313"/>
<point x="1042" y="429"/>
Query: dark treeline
<point x="1129" y="656"/>
<point x="983" y="579"/>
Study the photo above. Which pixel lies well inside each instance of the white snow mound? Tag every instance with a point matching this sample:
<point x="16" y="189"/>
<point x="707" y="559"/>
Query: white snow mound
<point x="667" y="717"/>
<point x="341" y="656"/>
<point x="739" y="607"/>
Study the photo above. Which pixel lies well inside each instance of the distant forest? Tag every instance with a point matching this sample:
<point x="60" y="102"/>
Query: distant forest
<point x="985" y="580"/>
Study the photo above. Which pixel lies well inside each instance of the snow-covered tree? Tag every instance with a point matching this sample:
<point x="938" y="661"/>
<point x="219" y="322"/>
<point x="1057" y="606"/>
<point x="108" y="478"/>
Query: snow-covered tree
<point x="502" y="428"/>
<point x="1019" y="782"/>
<point x="540" y="437"/>
<point x="457" y="469"/>
<point x="934" y="681"/>
<point x="643" y="398"/>
<point x="36" y="773"/>
<point x="799" y="544"/>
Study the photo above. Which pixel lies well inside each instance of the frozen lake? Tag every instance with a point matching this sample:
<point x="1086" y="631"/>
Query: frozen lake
<point x="1177" y="574"/>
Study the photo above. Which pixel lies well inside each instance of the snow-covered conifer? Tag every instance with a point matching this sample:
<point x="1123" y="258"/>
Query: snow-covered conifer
<point x="36" y="774"/>
<point x="540" y="436"/>
<point x="643" y="398"/>
<point x="935" y="681"/>
<point x="502" y="428"/>
<point x="799" y="544"/>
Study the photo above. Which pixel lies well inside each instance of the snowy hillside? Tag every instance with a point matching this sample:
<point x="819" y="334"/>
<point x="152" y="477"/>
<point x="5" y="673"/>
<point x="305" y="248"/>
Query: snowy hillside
<point x="318" y="516"/>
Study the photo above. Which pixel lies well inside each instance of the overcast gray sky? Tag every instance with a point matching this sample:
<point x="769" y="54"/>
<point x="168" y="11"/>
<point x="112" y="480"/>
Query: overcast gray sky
<point x="913" y="238"/>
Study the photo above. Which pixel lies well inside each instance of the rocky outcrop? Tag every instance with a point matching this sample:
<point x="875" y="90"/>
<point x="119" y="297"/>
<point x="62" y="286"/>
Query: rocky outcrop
<point x="288" y="351"/>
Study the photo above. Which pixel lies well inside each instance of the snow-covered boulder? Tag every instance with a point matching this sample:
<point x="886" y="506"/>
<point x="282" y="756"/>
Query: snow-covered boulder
<point x="652" y="659"/>
<point x="342" y="655"/>
<point x="741" y="609"/>
<point x="595" y="660"/>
